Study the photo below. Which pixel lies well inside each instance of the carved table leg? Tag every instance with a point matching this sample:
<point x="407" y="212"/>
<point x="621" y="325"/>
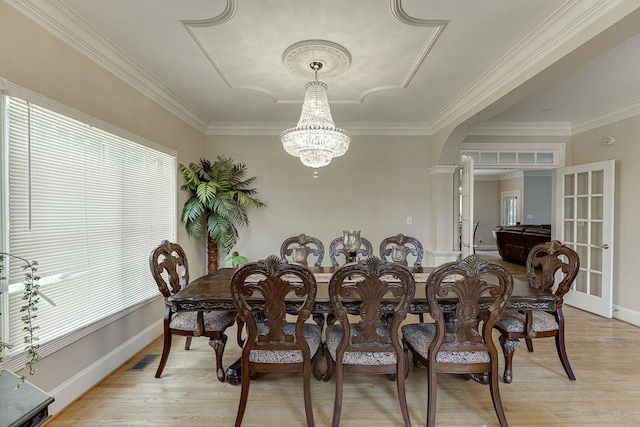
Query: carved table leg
<point x="508" y="348"/>
<point x="217" y="344"/>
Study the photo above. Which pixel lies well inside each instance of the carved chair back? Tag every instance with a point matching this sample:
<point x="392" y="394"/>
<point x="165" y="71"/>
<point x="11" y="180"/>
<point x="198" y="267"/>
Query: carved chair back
<point x="336" y="248"/>
<point x="383" y="291"/>
<point x="551" y="257"/>
<point x="169" y="268"/>
<point x="412" y="246"/>
<point x="311" y="245"/>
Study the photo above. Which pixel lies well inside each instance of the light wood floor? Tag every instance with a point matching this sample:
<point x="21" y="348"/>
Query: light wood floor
<point x="604" y="354"/>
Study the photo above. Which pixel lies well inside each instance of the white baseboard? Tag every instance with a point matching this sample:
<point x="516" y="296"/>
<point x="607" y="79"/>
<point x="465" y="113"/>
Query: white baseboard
<point x="626" y="315"/>
<point x="76" y="386"/>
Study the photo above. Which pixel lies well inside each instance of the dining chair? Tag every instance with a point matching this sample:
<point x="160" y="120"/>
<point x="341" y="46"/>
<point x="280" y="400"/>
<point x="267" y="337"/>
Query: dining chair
<point x="411" y="245"/>
<point x="170" y="270"/>
<point x="463" y="345"/>
<point x="310" y="245"/>
<point x="336" y="249"/>
<point x="273" y="343"/>
<point x="368" y="342"/>
<point x="547" y="263"/>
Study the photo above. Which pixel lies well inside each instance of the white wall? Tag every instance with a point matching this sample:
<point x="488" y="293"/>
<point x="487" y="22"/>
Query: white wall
<point x="588" y="147"/>
<point x="33" y="59"/>
<point x="374" y="187"/>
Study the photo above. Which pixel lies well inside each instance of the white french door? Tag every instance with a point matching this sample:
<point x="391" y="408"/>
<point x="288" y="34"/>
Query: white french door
<point x="584" y="221"/>
<point x="466" y="206"/>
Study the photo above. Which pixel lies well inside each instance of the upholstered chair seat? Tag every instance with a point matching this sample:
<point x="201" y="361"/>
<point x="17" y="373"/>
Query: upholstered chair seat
<point x="514" y="321"/>
<point x="334" y="335"/>
<point x="213" y="321"/>
<point x="312" y="334"/>
<point x="420" y="335"/>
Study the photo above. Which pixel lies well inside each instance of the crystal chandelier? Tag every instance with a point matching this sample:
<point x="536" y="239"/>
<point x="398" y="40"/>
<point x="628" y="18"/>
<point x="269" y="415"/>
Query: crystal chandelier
<point x="315" y="139"/>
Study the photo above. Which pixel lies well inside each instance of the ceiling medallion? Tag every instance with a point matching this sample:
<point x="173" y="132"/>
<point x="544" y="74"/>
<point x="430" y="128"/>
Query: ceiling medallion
<point x="335" y="59"/>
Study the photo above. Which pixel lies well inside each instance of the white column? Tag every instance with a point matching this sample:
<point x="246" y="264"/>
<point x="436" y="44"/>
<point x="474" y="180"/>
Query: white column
<point x="443" y="219"/>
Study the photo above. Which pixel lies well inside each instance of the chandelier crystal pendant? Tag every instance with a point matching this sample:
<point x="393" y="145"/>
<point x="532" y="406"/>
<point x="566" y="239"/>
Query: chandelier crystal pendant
<point x="315" y="139"/>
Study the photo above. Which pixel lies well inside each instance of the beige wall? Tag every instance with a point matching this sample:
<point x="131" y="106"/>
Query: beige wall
<point x="39" y="62"/>
<point x="588" y="147"/>
<point x="486" y="210"/>
<point x="373" y="187"/>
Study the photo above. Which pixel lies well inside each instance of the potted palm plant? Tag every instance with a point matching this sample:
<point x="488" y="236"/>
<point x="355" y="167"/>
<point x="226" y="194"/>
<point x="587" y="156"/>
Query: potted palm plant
<point x="220" y="196"/>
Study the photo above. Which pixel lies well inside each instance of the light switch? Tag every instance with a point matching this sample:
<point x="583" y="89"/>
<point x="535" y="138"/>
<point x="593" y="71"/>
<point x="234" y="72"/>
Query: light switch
<point x="409" y="220"/>
<point x="529" y="216"/>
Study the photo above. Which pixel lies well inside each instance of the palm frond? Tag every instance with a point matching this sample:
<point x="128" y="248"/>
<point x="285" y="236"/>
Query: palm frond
<point x="220" y="192"/>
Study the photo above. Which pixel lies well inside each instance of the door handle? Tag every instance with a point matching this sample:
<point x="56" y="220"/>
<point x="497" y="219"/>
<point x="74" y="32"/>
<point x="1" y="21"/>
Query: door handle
<point x="466" y="245"/>
<point x="605" y="246"/>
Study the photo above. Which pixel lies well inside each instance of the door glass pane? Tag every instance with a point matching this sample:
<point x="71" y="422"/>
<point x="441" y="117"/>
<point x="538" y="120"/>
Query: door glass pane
<point x="582" y="207"/>
<point x="582" y="253"/>
<point x="596" y="233"/>
<point x="583" y="183"/>
<point x="568" y="232"/>
<point x="582" y="232"/>
<point x="568" y="185"/>
<point x="597" y="203"/>
<point x="568" y="208"/>
<point x="595" y="287"/>
<point x="596" y="259"/>
<point x="581" y="282"/>
<point x="597" y="182"/>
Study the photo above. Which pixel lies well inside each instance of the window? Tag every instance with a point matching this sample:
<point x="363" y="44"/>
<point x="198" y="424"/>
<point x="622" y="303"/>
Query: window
<point x="88" y="206"/>
<point x="510" y="209"/>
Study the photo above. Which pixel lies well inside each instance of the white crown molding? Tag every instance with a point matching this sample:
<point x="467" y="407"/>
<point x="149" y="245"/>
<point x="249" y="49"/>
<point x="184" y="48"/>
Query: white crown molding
<point x="522" y="129"/>
<point x="62" y="22"/>
<point x="569" y="20"/>
<point x="611" y="115"/>
<point x="354" y="128"/>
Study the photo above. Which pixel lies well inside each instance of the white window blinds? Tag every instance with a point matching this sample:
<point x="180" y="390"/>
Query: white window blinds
<point x="89" y="206"/>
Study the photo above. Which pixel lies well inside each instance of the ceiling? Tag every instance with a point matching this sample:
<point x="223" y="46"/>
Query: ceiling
<point x="416" y="66"/>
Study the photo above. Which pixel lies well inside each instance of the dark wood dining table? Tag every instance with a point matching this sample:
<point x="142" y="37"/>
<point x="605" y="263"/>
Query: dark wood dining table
<point x="212" y="292"/>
